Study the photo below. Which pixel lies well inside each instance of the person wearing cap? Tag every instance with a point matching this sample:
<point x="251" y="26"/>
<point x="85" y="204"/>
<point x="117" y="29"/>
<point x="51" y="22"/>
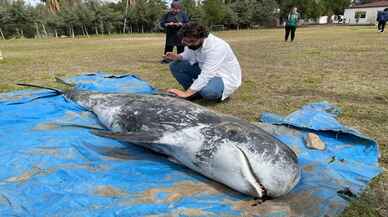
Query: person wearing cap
<point x="171" y="22"/>
<point x="207" y="68"/>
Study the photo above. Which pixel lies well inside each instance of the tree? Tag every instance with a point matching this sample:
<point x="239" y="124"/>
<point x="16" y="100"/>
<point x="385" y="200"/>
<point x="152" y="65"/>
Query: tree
<point x="231" y="18"/>
<point x="17" y="20"/>
<point x="154" y="11"/>
<point x="214" y="12"/>
<point x="264" y="12"/>
<point x="244" y="12"/>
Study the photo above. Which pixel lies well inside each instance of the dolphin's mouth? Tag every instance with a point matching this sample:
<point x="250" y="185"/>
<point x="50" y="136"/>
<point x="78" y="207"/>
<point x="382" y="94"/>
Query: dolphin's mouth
<point x="252" y="178"/>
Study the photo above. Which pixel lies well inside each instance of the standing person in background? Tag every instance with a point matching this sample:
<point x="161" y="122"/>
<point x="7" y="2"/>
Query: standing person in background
<point x="291" y="23"/>
<point x="172" y="21"/>
<point x="382" y="17"/>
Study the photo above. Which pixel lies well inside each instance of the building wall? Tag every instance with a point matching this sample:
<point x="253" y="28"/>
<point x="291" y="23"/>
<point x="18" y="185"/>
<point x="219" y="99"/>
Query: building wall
<point x="371" y="15"/>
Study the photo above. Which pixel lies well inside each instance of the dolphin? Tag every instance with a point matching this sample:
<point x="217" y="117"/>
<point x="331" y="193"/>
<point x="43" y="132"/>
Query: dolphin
<point x="222" y="147"/>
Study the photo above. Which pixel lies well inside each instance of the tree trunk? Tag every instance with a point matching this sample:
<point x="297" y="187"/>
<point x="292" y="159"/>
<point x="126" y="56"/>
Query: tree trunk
<point x="125" y="16"/>
<point x="96" y="29"/>
<point x="86" y="31"/>
<point x="124" y="25"/>
<point x="72" y="31"/>
<point x="2" y="35"/>
<point x="44" y="30"/>
<point x="83" y="30"/>
<point x="37" y="31"/>
<point x="102" y="27"/>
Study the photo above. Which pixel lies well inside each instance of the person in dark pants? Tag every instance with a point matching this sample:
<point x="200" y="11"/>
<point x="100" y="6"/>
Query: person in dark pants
<point x="172" y="21"/>
<point x="291" y="24"/>
<point x="382" y="17"/>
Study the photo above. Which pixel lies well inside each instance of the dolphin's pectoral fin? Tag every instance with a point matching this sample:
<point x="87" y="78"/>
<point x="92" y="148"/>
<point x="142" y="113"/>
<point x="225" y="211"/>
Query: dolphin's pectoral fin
<point x="144" y="139"/>
<point x="130" y="137"/>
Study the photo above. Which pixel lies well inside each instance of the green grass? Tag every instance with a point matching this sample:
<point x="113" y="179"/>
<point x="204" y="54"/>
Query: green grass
<point x="347" y="66"/>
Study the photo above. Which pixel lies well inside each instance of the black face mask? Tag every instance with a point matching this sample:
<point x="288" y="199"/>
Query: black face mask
<point x="195" y="47"/>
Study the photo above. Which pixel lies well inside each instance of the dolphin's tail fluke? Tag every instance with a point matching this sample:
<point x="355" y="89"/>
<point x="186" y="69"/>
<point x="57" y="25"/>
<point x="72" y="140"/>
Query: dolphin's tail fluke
<point x="58" y="91"/>
<point x="57" y="79"/>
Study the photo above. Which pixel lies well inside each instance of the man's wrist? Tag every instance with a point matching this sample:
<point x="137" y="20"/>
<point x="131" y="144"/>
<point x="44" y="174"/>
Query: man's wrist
<point x="189" y="92"/>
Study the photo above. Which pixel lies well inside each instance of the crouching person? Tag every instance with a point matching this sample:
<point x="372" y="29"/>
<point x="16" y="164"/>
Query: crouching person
<point x="207" y="68"/>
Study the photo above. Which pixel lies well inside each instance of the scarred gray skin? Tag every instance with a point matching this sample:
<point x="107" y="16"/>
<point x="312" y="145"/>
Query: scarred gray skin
<point x="221" y="147"/>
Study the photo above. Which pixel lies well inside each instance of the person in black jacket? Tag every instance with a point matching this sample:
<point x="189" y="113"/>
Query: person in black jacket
<point x="382" y="17"/>
<point x="172" y="21"/>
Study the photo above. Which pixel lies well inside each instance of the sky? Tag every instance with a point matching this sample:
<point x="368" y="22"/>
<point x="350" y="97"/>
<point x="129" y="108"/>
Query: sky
<point x="32" y="2"/>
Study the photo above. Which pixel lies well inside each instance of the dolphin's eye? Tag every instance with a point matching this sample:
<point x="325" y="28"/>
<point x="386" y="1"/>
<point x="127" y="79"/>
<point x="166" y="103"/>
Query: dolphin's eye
<point x="232" y="132"/>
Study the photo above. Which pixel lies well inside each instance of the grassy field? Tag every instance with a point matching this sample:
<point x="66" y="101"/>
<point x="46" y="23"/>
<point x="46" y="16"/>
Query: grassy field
<point x="347" y="66"/>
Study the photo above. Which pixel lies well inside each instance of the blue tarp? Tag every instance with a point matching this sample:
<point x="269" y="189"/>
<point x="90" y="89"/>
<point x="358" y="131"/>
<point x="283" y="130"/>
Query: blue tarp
<point x="49" y="169"/>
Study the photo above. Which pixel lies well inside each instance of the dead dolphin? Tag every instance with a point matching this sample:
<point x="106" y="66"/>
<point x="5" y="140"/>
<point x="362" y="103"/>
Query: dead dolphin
<point x="221" y="147"/>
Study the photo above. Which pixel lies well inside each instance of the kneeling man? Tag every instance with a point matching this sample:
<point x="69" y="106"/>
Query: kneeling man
<point x="207" y="68"/>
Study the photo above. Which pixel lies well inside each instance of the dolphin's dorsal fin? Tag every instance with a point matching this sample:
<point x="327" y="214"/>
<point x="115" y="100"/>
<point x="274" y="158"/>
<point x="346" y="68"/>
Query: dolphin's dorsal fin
<point x="60" y="80"/>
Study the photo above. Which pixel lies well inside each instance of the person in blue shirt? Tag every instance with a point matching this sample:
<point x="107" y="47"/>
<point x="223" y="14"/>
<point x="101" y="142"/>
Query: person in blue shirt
<point x="172" y="22"/>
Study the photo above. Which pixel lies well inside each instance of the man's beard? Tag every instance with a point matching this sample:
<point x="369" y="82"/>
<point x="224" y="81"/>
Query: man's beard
<point x="195" y="47"/>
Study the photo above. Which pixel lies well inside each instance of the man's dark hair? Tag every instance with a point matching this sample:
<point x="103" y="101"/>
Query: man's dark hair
<point x="176" y="4"/>
<point x="194" y="30"/>
<point x="386" y="9"/>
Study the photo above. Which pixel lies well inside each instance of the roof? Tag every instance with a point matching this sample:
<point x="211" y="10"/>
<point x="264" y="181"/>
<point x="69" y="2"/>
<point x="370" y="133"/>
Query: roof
<point x="377" y="4"/>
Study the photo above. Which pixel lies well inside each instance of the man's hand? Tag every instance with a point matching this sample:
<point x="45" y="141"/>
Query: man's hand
<point x="171" y="56"/>
<point x="179" y="93"/>
<point x="171" y="24"/>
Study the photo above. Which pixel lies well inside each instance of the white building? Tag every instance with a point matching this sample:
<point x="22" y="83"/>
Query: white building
<point x="364" y="14"/>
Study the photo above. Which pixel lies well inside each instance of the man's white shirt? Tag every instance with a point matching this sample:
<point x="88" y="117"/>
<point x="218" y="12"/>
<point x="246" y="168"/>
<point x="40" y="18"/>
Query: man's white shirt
<point x="215" y="59"/>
